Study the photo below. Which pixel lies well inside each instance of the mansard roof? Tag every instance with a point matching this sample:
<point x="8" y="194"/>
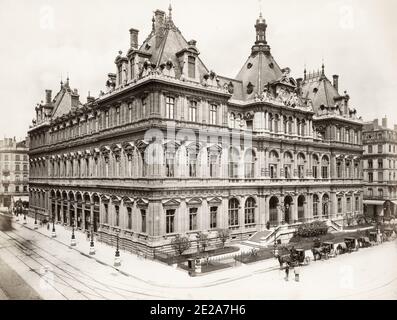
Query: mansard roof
<point x="165" y="43"/>
<point x="319" y="89"/>
<point x="65" y="101"/>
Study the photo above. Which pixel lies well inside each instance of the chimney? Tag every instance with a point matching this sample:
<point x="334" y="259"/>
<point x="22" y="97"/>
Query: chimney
<point x="134" y="38"/>
<point x="48" y="98"/>
<point x="376" y="124"/>
<point x="90" y="99"/>
<point x="336" y="81"/>
<point x="159" y="19"/>
<point x="384" y="122"/>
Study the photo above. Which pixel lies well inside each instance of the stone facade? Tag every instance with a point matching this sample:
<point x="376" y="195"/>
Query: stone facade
<point x="380" y="157"/>
<point x="171" y="147"/>
<point x="14" y="171"/>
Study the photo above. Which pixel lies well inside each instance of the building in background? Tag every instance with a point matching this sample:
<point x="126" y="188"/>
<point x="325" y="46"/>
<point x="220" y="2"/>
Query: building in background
<point x="380" y="169"/>
<point x="14" y="172"/>
<point x="261" y="149"/>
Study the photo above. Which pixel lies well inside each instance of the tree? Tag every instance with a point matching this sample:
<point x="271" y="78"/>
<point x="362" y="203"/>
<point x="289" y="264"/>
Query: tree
<point x="180" y="244"/>
<point x="224" y="235"/>
<point x="203" y="240"/>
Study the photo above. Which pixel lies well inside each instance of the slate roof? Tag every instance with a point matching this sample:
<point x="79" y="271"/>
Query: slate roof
<point x="320" y="90"/>
<point x="164" y="44"/>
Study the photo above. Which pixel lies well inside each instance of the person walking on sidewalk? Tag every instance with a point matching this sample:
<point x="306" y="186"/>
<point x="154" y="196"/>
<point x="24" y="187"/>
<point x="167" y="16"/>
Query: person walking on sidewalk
<point x="297" y="272"/>
<point x="287" y="271"/>
<point x="88" y="235"/>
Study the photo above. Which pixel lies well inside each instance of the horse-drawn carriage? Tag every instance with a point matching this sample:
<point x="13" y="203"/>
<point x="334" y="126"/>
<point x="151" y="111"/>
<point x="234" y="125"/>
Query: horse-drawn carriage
<point x="321" y="250"/>
<point x="293" y="258"/>
<point x="351" y="244"/>
<point x="364" y="242"/>
<point x="298" y="256"/>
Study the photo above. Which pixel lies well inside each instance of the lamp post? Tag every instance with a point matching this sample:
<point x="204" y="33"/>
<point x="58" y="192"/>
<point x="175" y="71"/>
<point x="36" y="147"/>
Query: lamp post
<point x="35" y="220"/>
<point x="117" y="261"/>
<point x="73" y="239"/>
<point x="53" y="234"/>
<point x="92" y="249"/>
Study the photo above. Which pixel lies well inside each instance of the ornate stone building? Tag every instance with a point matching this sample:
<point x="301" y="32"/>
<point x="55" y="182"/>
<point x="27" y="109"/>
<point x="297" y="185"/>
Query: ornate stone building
<point x="14" y="172"/>
<point x="172" y="147"/>
<point x="380" y="157"/>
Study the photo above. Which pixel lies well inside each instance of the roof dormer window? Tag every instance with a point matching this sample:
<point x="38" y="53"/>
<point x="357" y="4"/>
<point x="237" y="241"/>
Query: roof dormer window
<point x="191" y="67"/>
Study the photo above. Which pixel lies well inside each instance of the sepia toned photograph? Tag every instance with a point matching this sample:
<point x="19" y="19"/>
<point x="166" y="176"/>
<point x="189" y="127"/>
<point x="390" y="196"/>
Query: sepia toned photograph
<point x="198" y="150"/>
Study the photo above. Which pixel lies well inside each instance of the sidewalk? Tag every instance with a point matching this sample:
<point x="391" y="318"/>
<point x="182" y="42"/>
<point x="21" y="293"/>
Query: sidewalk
<point x="146" y="270"/>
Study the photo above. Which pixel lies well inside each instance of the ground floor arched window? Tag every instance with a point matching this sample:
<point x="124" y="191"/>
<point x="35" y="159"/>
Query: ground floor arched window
<point x="233" y="212"/>
<point x="273" y="211"/>
<point x="250" y="211"/>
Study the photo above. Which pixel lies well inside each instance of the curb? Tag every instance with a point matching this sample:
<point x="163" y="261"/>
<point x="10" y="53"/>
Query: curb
<point x="127" y="274"/>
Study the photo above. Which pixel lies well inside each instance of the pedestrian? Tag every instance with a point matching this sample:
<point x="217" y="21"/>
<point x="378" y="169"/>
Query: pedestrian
<point x="88" y="235"/>
<point x="297" y="271"/>
<point x="287" y="271"/>
<point x="48" y="226"/>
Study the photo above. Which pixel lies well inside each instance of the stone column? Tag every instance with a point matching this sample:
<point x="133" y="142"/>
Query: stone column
<point x="294" y="209"/>
<point x="279" y="210"/>
<point x="261" y="211"/>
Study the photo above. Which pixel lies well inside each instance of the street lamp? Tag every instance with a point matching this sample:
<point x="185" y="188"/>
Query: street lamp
<point x="35" y="220"/>
<point x="117" y="261"/>
<point x="92" y="249"/>
<point x="73" y="240"/>
<point x="53" y="234"/>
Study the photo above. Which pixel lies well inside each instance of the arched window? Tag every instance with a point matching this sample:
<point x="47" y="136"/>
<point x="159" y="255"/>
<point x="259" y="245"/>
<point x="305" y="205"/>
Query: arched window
<point x="273" y="211"/>
<point x="324" y="167"/>
<point x="315" y="164"/>
<point x="287" y="165"/>
<point x="290" y="123"/>
<point x="301" y="208"/>
<point x="325" y="206"/>
<point x="338" y="134"/>
<point x="270" y="122"/>
<point x="303" y="128"/>
<point x="315" y="205"/>
<point x="285" y="124"/>
<point x="273" y="161"/>
<point x="250" y="211"/>
<point x="193" y="151"/>
<point x="233" y="212"/>
<point x="232" y="120"/>
<point x="249" y="164"/>
<point x="276" y="123"/>
<point x="234" y="158"/>
<point x="301" y="165"/>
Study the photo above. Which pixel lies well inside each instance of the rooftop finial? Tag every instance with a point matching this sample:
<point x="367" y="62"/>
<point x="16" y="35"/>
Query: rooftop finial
<point x="170" y="11"/>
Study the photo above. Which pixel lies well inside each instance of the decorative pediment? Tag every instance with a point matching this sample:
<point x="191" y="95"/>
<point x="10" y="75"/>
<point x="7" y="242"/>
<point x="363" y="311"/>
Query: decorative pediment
<point x="128" y="147"/>
<point x="142" y="203"/>
<point x="215" y="201"/>
<point x="105" y="150"/>
<point x="214" y="148"/>
<point x="127" y="201"/>
<point x="104" y="198"/>
<point x="171" y="145"/>
<point x="171" y="203"/>
<point x="141" y="145"/>
<point x="116" y="148"/>
<point x="194" y="202"/>
<point x="115" y="199"/>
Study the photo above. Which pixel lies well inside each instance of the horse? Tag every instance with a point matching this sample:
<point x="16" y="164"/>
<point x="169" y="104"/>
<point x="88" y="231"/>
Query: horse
<point x="283" y="259"/>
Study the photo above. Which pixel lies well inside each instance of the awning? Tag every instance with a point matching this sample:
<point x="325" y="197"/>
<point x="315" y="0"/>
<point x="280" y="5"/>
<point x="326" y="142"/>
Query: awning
<point x="374" y="202"/>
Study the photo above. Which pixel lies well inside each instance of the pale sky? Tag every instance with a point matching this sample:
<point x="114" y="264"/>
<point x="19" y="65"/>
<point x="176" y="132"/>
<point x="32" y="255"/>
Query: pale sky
<point x="42" y="41"/>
